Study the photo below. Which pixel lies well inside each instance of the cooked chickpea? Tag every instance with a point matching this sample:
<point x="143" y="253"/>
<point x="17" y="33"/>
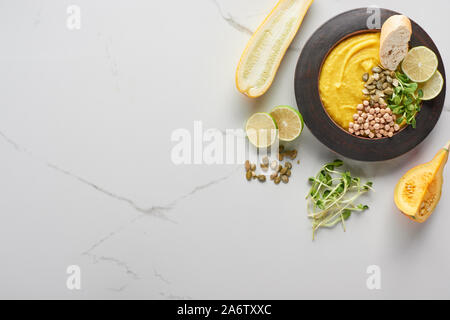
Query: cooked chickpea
<point x="360" y="120"/>
<point x="382" y="121"/>
<point x="366" y="103"/>
<point x="377" y="110"/>
<point x="356" y="127"/>
<point x="396" y="127"/>
<point x="387" y="127"/>
<point x="367" y="132"/>
<point x="351" y="130"/>
<point x="371" y="135"/>
<point x="360" y="107"/>
<point x="390" y="134"/>
<point x="351" y="124"/>
<point x="366" y="126"/>
<point x="379" y="135"/>
<point x="355" y="117"/>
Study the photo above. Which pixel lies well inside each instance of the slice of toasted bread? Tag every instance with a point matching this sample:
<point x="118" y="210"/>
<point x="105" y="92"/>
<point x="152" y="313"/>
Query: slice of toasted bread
<point x="395" y="35"/>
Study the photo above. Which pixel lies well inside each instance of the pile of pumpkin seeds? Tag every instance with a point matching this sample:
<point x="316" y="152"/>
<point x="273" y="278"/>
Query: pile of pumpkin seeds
<point x="280" y="173"/>
<point x="379" y="86"/>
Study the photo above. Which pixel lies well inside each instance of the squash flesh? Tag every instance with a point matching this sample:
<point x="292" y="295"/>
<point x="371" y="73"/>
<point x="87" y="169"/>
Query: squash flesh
<point x="419" y="190"/>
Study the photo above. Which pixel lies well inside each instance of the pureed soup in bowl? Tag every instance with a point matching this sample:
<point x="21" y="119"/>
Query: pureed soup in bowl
<point x="340" y="81"/>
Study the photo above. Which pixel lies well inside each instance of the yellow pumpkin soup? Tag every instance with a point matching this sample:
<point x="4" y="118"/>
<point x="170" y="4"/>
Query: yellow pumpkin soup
<point x="340" y="82"/>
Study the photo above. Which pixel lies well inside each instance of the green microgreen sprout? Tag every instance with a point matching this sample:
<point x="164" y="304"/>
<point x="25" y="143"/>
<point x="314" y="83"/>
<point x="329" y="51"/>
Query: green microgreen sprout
<point x="406" y="100"/>
<point x="332" y="197"/>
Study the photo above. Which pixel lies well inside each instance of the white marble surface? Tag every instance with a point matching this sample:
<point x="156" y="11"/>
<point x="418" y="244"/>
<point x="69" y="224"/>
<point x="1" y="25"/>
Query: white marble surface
<point x="87" y="178"/>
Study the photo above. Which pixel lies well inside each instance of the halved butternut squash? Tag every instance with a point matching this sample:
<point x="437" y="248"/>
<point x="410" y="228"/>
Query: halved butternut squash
<point x="418" y="192"/>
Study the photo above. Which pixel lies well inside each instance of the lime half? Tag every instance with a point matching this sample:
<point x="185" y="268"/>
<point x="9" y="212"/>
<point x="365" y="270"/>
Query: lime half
<point x="289" y="122"/>
<point x="420" y="64"/>
<point x="432" y="87"/>
<point x="261" y="130"/>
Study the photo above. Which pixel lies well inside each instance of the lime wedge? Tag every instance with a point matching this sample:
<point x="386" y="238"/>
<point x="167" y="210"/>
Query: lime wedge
<point x="432" y="87"/>
<point x="289" y="122"/>
<point x="261" y="130"/>
<point x="420" y="64"/>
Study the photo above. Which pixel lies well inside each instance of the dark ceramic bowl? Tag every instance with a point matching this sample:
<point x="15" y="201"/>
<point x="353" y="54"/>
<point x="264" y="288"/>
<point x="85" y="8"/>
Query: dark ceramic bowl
<point x="317" y="119"/>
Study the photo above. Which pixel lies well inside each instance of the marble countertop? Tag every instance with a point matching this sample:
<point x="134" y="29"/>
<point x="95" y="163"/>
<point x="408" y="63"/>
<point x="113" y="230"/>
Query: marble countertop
<point x="87" y="178"/>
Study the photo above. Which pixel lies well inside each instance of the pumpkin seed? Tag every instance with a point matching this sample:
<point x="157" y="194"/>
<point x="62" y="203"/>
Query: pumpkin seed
<point x="253" y="167"/>
<point x="262" y="178"/>
<point x="277" y="180"/>
<point x="389" y="91"/>
<point x="249" y="175"/>
<point x="285" y="179"/>
<point x="274" y="165"/>
<point x="376" y="70"/>
<point x="247" y="165"/>
<point x="365" y="77"/>
<point x="288" y="165"/>
<point x="283" y="171"/>
<point x="293" y="154"/>
<point x="273" y="176"/>
<point x="289" y="173"/>
<point x="279" y="168"/>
